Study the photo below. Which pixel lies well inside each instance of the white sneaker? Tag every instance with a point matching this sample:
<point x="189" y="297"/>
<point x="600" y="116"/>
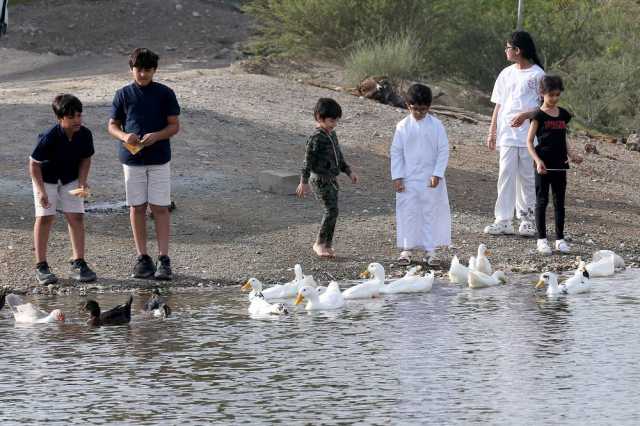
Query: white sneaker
<point x="499" y="228"/>
<point x="527" y="229"/>
<point x="562" y="246"/>
<point x="432" y="258"/>
<point x="543" y="247"/>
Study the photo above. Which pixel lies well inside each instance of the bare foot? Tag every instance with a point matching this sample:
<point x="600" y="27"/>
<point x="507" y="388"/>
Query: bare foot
<point x="321" y="250"/>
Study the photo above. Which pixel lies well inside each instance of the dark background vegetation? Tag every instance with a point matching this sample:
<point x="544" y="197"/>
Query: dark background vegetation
<point x="593" y="44"/>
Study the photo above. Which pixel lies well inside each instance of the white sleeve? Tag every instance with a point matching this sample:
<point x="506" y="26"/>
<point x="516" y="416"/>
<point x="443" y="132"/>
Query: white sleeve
<point x="497" y="96"/>
<point x="397" y="155"/>
<point x="443" y="153"/>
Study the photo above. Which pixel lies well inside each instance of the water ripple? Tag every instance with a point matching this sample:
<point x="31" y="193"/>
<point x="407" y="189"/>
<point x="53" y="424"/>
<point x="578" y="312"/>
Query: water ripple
<point x="501" y="355"/>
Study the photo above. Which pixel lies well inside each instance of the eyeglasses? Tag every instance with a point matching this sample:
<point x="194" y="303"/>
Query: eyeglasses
<point x="508" y="47"/>
<point x="419" y="110"/>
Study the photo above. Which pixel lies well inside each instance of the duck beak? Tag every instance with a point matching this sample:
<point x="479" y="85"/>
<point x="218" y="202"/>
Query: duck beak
<point x="540" y="284"/>
<point x="365" y="274"/>
<point x="299" y="299"/>
<point x="246" y="286"/>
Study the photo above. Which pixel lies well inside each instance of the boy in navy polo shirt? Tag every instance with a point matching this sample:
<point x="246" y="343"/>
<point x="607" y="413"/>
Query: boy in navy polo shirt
<point x="144" y="115"/>
<point x="60" y="163"/>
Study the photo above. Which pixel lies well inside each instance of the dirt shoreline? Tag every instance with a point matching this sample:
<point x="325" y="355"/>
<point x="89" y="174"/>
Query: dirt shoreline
<point x="225" y="229"/>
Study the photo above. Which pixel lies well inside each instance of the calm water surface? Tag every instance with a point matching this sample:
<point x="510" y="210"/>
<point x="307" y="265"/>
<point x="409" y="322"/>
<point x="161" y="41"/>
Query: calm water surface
<point x="501" y="356"/>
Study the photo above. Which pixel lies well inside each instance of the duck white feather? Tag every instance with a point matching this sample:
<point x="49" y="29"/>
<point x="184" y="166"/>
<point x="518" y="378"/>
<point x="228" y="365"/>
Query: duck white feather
<point x="482" y="264"/>
<point x="618" y="262"/>
<point x="28" y="313"/>
<point x="412" y="282"/>
<point x="258" y="304"/>
<point x="579" y="280"/>
<point x="554" y="289"/>
<point x="604" y="267"/>
<point x="330" y="299"/>
<point x="287" y="290"/>
<point x="458" y="273"/>
<point x="369" y="288"/>
<point x="479" y="279"/>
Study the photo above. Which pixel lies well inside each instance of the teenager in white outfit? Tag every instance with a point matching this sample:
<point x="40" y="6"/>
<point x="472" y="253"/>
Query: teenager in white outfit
<point x="516" y="95"/>
<point x="419" y="157"/>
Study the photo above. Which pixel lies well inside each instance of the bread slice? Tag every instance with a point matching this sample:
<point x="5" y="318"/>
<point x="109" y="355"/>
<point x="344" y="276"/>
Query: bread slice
<point x="133" y="148"/>
<point x="80" y="192"/>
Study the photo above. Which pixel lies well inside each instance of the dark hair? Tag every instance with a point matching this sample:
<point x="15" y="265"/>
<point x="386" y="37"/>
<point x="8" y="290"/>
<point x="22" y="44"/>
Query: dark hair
<point x="550" y="83"/>
<point x="327" y="108"/>
<point x="143" y="58"/>
<point x="523" y="41"/>
<point x="66" y="105"/>
<point x="419" y="94"/>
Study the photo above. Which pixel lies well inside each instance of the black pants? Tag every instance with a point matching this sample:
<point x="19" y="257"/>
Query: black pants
<point x="327" y="191"/>
<point x="558" y="183"/>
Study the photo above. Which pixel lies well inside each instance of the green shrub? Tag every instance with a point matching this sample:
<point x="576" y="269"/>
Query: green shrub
<point x="395" y="57"/>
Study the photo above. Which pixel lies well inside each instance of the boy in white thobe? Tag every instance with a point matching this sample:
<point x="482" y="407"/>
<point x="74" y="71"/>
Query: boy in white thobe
<point x="419" y="156"/>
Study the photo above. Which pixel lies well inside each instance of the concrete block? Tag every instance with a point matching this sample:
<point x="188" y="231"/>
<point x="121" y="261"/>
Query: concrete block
<point x="281" y="182"/>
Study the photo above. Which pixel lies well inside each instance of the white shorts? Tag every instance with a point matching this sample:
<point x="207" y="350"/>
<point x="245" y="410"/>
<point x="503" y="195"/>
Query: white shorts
<point x="148" y="184"/>
<point x="58" y="195"/>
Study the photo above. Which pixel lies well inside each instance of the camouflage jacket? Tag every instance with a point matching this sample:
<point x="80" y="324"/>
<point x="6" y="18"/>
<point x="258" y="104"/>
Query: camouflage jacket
<point x="323" y="157"/>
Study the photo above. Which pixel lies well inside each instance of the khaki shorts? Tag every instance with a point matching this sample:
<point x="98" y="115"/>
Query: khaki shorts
<point x="148" y="184"/>
<point x="58" y="197"/>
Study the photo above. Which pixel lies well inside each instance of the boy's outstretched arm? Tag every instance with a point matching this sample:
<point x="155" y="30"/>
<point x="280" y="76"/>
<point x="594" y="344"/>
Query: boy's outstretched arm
<point x="83" y="172"/>
<point x="35" y="170"/>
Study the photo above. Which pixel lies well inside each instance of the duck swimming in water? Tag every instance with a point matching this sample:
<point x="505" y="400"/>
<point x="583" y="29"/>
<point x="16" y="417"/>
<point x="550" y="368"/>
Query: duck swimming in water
<point x="119" y="315"/>
<point x="157" y="305"/>
<point x="27" y="312"/>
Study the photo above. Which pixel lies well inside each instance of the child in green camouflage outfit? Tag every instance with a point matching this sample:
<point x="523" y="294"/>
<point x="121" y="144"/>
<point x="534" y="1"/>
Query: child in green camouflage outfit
<point x="323" y="163"/>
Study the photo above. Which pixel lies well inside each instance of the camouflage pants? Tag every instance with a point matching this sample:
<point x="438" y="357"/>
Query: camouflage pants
<point x="327" y="192"/>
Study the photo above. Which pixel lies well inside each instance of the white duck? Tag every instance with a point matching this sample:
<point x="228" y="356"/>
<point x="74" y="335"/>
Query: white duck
<point x="618" y="262"/>
<point x="330" y="299"/>
<point x="286" y="290"/>
<point x="369" y="288"/>
<point x="479" y="279"/>
<point x="458" y="273"/>
<point x="28" y="313"/>
<point x="579" y="279"/>
<point x="258" y="305"/>
<point x="555" y="289"/>
<point x="412" y="282"/>
<point x="603" y="267"/>
<point x="481" y="263"/>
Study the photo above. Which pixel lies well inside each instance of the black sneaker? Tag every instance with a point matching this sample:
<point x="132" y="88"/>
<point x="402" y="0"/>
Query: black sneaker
<point x="144" y="267"/>
<point x="44" y="274"/>
<point x="163" y="268"/>
<point x="81" y="272"/>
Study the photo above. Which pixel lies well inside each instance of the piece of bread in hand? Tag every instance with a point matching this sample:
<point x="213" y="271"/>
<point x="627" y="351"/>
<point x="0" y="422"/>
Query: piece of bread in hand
<point x="80" y="192"/>
<point x="133" y="148"/>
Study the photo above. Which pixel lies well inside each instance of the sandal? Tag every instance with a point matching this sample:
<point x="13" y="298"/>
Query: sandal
<point x="405" y="258"/>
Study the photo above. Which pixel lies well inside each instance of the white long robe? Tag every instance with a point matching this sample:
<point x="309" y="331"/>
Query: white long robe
<point x="420" y="149"/>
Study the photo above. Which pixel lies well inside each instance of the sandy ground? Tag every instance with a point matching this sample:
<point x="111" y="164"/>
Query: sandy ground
<point x="235" y="124"/>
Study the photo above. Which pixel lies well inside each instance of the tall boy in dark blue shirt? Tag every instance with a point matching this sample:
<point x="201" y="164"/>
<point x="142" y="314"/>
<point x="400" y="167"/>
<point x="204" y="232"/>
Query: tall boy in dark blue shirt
<point x="144" y="115"/>
<point x="59" y="167"/>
